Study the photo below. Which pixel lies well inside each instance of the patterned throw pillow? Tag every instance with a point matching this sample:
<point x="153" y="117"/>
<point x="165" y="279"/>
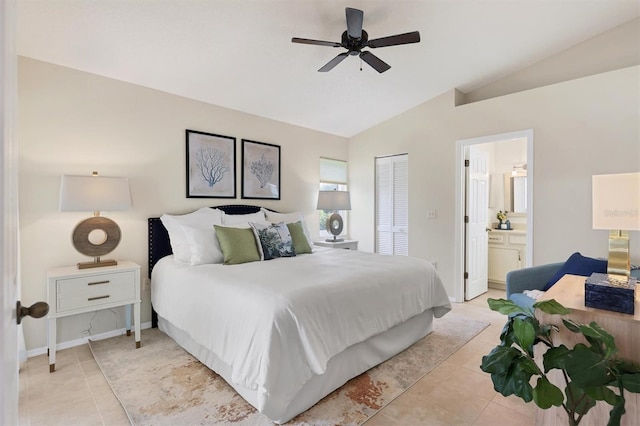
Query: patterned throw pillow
<point x="275" y="240"/>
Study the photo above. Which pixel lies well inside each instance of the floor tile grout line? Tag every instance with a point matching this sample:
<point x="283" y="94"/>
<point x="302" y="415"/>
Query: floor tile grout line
<point x="110" y="385"/>
<point x="93" y="396"/>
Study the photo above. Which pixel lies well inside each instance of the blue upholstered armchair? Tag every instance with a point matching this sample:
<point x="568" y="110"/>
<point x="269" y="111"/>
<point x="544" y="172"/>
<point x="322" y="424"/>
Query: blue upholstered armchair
<point x="531" y="278"/>
<point x="537" y="277"/>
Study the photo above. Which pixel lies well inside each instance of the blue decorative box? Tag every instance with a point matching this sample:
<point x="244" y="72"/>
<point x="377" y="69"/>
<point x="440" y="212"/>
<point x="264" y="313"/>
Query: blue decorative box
<point x="604" y="292"/>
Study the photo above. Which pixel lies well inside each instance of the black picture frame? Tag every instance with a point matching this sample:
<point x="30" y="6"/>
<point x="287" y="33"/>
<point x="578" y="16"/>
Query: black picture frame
<point x="260" y="170"/>
<point x="210" y="165"/>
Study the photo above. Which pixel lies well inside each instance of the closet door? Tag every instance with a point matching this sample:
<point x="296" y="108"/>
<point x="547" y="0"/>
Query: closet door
<point x="392" y="205"/>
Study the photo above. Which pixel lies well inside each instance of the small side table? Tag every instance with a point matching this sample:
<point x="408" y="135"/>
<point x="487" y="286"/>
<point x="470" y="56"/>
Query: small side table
<point x="346" y="244"/>
<point x="72" y="291"/>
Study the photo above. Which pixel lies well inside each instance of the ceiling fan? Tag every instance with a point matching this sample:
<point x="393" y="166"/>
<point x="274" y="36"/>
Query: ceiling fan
<point x="355" y="39"/>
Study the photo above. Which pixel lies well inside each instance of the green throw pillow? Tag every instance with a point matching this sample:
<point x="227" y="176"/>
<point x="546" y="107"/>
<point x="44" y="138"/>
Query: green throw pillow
<point x="300" y="242"/>
<point x="238" y="245"/>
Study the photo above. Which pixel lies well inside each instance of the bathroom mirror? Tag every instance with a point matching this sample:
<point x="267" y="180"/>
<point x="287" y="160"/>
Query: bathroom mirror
<point x="515" y="193"/>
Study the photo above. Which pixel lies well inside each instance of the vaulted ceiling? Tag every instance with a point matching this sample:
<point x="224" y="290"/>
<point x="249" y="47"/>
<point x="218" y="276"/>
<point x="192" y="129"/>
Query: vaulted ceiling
<point x="238" y="53"/>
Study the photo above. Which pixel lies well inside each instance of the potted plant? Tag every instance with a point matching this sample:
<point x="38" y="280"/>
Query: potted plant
<point x="502" y="217"/>
<point x="592" y="372"/>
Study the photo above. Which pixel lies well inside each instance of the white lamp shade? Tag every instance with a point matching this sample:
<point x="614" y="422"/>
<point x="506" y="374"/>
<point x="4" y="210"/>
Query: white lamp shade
<point x="94" y="193"/>
<point x="334" y="200"/>
<point x="616" y="201"/>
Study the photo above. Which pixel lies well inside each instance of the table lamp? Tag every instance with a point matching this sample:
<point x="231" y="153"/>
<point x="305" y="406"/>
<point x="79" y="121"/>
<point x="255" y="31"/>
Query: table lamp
<point x="616" y="207"/>
<point x="334" y="201"/>
<point x="98" y="235"/>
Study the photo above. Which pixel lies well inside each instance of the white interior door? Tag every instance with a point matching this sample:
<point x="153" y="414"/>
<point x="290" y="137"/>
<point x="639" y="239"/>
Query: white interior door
<point x="477" y="205"/>
<point x="8" y="218"/>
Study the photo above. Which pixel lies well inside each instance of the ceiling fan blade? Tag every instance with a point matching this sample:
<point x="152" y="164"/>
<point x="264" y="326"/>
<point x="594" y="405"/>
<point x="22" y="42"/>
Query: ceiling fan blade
<point x="315" y="42"/>
<point x="354" y="22"/>
<point x="375" y="62"/>
<point x="332" y="63"/>
<point x="394" y="40"/>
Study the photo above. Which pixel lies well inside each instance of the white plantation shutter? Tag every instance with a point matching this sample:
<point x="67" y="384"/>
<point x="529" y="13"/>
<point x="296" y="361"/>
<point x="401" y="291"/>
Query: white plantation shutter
<point x="392" y="205"/>
<point x="384" y="204"/>
<point x="401" y="205"/>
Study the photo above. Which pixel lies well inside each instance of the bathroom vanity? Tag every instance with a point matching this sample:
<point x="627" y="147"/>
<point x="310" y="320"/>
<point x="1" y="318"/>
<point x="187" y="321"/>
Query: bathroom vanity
<point x="507" y="251"/>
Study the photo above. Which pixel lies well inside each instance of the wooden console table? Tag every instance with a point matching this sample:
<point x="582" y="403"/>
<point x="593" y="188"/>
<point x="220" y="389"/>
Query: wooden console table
<point x="569" y="292"/>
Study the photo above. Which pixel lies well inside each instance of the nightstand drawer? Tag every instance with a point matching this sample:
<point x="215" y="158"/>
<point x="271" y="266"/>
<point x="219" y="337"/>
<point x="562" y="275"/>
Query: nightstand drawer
<point x="85" y="292"/>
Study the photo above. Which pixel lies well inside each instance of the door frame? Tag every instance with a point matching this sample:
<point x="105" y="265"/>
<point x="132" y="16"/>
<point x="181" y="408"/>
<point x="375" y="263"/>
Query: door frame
<point x="8" y="215"/>
<point x="459" y="225"/>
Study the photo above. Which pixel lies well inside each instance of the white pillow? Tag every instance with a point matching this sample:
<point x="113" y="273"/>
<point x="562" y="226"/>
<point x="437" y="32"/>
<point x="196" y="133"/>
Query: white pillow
<point x="243" y="219"/>
<point x="294" y="217"/>
<point x="203" y="245"/>
<point x="203" y="218"/>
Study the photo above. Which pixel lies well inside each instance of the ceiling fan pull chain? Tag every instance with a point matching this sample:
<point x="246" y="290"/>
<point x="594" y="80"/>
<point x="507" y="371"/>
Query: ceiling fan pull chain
<point x="360" y="64"/>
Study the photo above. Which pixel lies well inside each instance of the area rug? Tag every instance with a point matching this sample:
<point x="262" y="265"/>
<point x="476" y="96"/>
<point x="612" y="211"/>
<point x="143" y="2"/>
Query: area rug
<point x="162" y="384"/>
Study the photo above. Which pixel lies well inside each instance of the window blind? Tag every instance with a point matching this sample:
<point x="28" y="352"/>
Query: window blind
<point x="333" y="171"/>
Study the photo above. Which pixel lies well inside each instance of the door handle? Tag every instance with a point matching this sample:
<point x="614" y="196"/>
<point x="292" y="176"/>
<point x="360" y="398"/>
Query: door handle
<point x="487" y="229"/>
<point x="37" y="310"/>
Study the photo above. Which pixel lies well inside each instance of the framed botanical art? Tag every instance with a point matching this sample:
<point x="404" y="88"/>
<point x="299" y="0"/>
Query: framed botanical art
<point x="211" y="165"/>
<point x="260" y="170"/>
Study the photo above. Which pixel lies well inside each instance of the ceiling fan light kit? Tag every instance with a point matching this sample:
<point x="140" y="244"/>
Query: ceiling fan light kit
<point x="354" y="39"/>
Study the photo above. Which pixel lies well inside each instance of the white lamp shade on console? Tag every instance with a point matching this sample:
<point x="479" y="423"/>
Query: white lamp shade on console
<point x="616" y="201"/>
<point x="95" y="236"/>
<point x="334" y="201"/>
<point x="94" y="193"/>
<point x="616" y="207"/>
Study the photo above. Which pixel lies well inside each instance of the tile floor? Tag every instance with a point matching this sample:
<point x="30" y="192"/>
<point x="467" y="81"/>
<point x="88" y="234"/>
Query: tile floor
<point x="454" y="393"/>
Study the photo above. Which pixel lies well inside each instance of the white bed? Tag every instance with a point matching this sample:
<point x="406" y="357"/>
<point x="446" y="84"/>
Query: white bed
<point x="286" y="332"/>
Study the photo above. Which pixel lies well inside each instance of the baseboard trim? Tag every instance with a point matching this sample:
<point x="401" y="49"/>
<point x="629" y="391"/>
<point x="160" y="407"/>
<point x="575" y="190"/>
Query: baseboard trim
<point x="83" y="340"/>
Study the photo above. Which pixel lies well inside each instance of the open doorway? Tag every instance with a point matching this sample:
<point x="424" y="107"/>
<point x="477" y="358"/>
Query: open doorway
<point x="499" y="170"/>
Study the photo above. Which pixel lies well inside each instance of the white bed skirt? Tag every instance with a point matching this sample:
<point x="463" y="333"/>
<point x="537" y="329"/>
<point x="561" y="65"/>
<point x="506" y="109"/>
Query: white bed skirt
<point x="350" y="363"/>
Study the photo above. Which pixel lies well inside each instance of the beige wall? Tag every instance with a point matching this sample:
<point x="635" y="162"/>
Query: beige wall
<point x="71" y="122"/>
<point x="581" y="127"/>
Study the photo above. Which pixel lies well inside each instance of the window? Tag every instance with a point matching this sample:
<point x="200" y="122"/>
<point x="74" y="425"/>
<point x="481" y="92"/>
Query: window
<point x="392" y="205"/>
<point x="333" y="176"/>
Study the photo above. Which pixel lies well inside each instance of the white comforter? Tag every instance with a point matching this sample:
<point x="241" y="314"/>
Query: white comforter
<point x="277" y="323"/>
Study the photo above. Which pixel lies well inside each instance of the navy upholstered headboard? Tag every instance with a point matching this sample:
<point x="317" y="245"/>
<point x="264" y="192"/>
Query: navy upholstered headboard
<point x="159" y="245"/>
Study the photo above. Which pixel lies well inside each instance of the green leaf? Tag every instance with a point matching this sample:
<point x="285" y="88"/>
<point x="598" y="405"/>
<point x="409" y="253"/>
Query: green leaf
<point x="516" y="381"/>
<point x="499" y="360"/>
<point x="602" y="393"/>
<point x="552" y="307"/>
<point x="624" y="366"/>
<point x="555" y="358"/>
<point x="525" y="334"/>
<point x="505" y="307"/>
<point x="586" y="368"/>
<point x="546" y="394"/>
<point x="601" y="341"/>
<point x="631" y="382"/>
<point x="571" y="325"/>
<point x="577" y="400"/>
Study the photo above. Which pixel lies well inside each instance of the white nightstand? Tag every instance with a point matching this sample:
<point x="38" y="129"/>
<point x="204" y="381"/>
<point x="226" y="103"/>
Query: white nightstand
<point x="346" y="244"/>
<point x="72" y="291"/>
